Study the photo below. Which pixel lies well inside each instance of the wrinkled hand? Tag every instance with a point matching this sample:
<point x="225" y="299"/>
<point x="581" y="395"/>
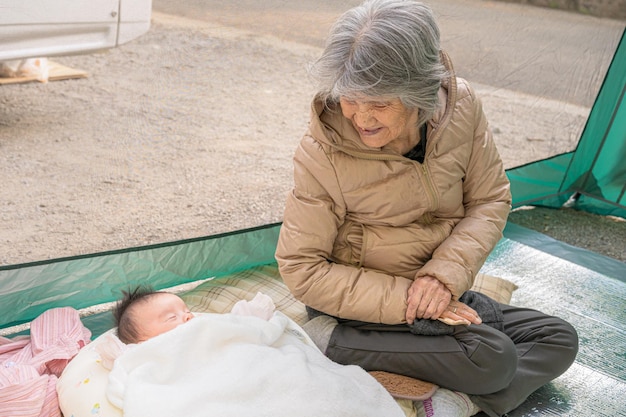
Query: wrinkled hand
<point x="460" y="313"/>
<point x="428" y="298"/>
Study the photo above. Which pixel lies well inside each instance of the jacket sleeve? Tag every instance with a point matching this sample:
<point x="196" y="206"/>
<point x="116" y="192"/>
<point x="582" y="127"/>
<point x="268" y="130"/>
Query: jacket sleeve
<point x="313" y="213"/>
<point x="486" y="201"/>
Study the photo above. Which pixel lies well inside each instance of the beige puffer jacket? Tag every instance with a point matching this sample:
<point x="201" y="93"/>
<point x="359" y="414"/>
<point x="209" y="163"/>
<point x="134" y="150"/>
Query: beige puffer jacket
<point x="362" y="223"/>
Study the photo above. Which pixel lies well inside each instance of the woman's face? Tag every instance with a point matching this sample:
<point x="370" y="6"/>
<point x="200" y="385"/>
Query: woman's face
<point x="381" y="122"/>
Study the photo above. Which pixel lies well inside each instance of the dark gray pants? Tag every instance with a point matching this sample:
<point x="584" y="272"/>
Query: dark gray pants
<point x="499" y="370"/>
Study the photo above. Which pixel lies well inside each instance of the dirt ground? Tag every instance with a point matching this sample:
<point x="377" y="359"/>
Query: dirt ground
<point x="189" y="131"/>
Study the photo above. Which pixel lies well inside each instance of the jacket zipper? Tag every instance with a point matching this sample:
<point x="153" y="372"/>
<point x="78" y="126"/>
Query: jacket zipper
<point x="430" y="188"/>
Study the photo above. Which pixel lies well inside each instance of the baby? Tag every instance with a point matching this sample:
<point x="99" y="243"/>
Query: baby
<point x="142" y="314"/>
<point x="227" y="364"/>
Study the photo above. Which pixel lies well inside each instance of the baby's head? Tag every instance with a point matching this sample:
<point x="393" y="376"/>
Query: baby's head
<point x="143" y="313"/>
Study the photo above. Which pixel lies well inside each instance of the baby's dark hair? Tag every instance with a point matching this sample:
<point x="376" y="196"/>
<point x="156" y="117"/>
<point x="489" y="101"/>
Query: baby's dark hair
<point x="127" y="327"/>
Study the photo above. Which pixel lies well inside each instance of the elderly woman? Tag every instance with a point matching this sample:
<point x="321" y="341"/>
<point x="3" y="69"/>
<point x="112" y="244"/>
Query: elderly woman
<point x="399" y="197"/>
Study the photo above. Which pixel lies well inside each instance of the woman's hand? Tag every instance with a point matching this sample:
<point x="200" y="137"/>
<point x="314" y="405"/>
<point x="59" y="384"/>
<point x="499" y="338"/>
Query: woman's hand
<point x="460" y="313"/>
<point x="428" y="298"/>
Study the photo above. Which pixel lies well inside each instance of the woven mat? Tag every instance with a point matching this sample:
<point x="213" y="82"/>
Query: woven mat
<point x="404" y="387"/>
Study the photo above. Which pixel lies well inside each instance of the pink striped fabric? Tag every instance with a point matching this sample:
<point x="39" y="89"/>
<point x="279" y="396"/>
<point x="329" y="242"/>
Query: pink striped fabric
<point x="29" y="366"/>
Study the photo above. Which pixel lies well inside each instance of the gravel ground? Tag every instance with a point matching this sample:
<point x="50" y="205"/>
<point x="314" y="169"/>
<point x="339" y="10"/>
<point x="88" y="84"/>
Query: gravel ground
<point x="189" y="131"/>
<point x="605" y="235"/>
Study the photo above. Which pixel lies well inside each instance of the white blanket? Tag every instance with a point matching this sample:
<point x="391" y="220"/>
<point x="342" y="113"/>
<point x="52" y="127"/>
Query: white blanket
<point x="228" y="365"/>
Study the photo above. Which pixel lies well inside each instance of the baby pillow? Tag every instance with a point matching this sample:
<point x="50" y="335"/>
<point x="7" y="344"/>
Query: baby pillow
<point x="82" y="385"/>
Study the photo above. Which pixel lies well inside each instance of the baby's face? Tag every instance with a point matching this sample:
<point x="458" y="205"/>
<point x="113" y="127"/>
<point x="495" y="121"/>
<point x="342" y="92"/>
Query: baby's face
<point x="160" y="313"/>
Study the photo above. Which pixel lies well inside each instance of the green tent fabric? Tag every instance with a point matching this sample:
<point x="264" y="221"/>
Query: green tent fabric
<point x="27" y="290"/>
<point x="593" y="177"/>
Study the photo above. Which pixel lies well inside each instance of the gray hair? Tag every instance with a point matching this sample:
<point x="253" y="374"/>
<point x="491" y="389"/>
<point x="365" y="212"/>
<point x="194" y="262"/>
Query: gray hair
<point x="383" y="48"/>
